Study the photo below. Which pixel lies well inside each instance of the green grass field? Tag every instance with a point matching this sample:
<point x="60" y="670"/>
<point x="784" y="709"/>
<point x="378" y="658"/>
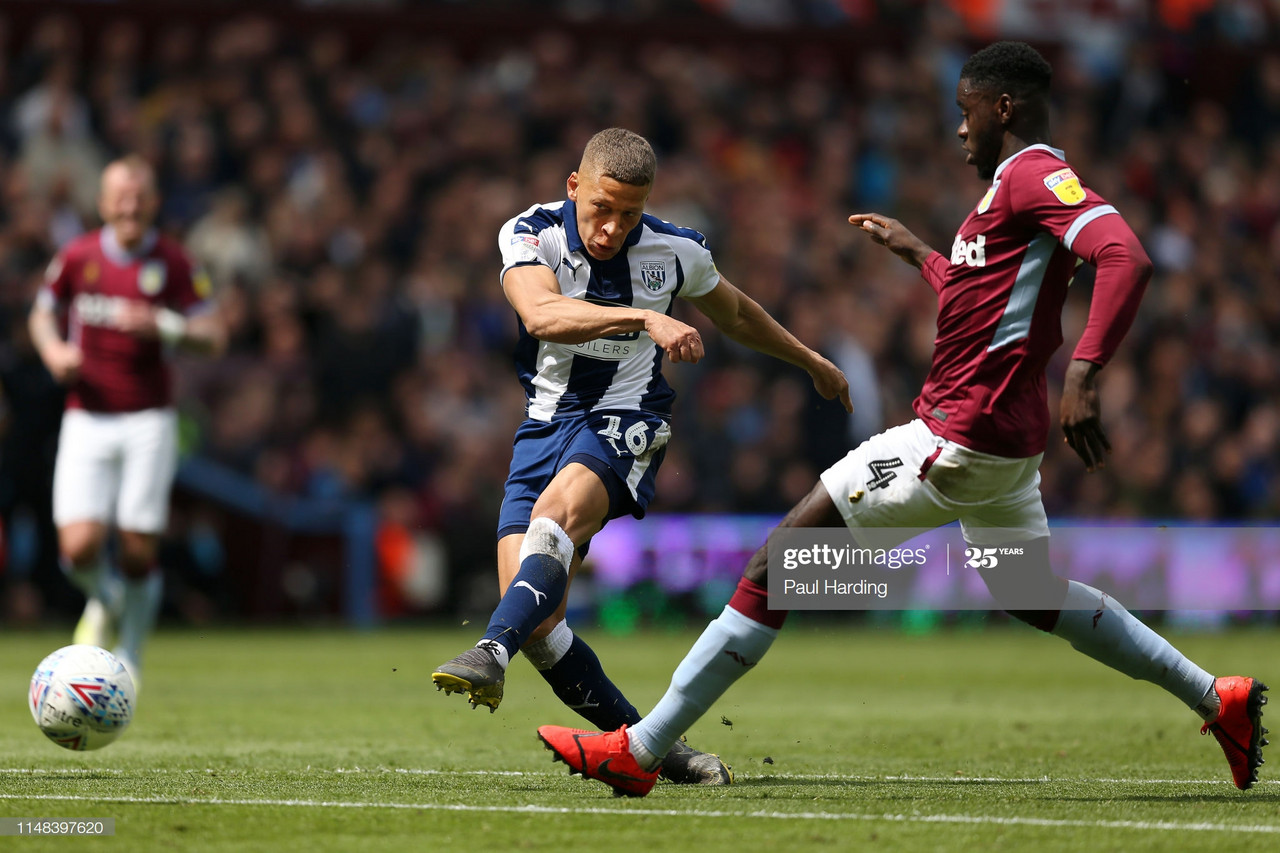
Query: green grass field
<point x="1000" y="740"/>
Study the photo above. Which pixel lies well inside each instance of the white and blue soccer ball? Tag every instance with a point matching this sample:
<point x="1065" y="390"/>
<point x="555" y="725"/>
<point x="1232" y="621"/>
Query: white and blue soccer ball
<point x="82" y="697"/>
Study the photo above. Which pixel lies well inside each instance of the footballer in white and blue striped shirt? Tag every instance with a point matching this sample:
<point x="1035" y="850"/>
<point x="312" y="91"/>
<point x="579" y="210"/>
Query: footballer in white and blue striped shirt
<point x="593" y="280"/>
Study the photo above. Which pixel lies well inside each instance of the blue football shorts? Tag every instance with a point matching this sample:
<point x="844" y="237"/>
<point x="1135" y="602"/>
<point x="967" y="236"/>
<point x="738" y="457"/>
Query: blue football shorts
<point x="624" y="449"/>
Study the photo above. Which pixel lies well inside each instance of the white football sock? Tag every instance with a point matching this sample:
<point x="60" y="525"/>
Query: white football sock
<point x="141" y="606"/>
<point x="1211" y="706"/>
<point x="1100" y="627"/>
<point x="548" y="651"/>
<point x="729" y="647"/>
<point x="102" y="595"/>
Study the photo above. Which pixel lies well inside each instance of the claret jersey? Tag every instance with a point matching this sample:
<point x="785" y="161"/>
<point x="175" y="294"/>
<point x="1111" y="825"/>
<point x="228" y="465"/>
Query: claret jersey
<point x="658" y="262"/>
<point x="87" y="282"/>
<point x="1000" y="298"/>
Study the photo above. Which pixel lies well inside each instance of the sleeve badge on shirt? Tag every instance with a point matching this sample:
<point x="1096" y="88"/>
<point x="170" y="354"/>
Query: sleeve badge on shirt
<point x="151" y="278"/>
<point x="653" y="274"/>
<point x="1066" y="186"/>
<point x="985" y="204"/>
<point x="524" y="248"/>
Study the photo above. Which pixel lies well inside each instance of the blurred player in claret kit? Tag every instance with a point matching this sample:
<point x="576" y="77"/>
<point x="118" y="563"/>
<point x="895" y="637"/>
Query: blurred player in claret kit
<point x="973" y="452"/>
<point x="125" y="296"/>
<point x="593" y="280"/>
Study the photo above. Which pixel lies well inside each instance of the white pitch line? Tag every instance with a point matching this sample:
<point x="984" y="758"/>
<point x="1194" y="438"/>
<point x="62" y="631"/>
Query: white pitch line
<point x="160" y="771"/>
<point x="435" y="772"/>
<point x="762" y="775"/>
<point x="1163" y="826"/>
<point x="1015" y="780"/>
<point x="60" y="771"/>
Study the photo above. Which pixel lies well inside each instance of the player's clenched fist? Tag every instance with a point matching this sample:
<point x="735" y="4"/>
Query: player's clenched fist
<point x="679" y="340"/>
<point x="63" y="361"/>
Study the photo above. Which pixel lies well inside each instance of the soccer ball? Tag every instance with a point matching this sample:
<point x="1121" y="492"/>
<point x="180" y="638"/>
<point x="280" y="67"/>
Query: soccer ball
<point x="82" y="697"/>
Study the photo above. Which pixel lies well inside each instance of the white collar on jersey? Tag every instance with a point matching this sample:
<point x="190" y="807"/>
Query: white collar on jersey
<point x="118" y="254"/>
<point x="1039" y="146"/>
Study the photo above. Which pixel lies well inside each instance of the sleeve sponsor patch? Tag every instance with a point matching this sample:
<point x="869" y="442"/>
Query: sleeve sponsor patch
<point x="1065" y="185"/>
<point x="523" y="248"/>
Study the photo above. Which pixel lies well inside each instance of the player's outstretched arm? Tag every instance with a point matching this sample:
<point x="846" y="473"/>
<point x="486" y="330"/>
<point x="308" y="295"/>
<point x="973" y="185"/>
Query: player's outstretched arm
<point x="549" y="315"/>
<point x="893" y="235"/>
<point x="741" y="318"/>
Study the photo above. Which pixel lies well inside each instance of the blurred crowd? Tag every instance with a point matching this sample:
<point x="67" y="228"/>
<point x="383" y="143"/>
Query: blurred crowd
<point x="346" y="202"/>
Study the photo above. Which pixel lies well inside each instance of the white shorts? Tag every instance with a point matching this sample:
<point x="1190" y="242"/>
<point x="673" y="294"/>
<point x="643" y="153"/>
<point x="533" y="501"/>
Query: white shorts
<point x="116" y="467"/>
<point x="908" y="477"/>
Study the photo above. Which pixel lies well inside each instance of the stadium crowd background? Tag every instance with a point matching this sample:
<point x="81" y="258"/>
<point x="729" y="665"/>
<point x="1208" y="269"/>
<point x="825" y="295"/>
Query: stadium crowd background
<point x="345" y="192"/>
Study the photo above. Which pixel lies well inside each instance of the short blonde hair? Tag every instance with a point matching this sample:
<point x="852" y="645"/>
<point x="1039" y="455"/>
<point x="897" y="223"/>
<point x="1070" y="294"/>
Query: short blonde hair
<point x="620" y="154"/>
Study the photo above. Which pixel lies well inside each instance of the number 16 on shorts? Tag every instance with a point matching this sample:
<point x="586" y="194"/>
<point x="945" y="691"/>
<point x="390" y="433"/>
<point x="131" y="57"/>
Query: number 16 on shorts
<point x="635" y="439"/>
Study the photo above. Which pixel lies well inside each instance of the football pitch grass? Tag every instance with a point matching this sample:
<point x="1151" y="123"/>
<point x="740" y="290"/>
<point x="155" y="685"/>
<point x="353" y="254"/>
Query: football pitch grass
<point x="840" y="739"/>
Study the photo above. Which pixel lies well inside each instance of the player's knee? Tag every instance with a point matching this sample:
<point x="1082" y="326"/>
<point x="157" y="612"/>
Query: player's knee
<point x="579" y="522"/>
<point x="547" y="537"/>
<point x="557" y="512"/>
<point x="137" y="554"/>
<point x="1022" y="581"/>
<point x="81" y="548"/>
<point x="577" y="500"/>
<point x="814" y="510"/>
<point x="136" y="567"/>
<point x="82" y="555"/>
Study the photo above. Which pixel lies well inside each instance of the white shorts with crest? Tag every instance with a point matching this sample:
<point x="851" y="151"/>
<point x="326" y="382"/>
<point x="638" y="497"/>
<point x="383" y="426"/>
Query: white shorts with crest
<point x="116" y="468"/>
<point x="910" y="478"/>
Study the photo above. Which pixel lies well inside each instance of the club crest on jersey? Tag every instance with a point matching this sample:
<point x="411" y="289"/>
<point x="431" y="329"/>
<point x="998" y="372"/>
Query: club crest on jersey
<point x="1066" y="186"/>
<point x="653" y="274"/>
<point x="151" y="278"/>
<point x="91" y="272"/>
<point x="985" y="204"/>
